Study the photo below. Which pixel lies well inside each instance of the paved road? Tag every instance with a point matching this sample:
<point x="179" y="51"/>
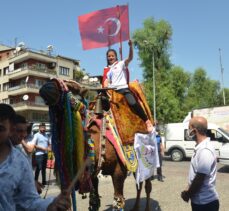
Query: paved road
<point x="165" y="196"/>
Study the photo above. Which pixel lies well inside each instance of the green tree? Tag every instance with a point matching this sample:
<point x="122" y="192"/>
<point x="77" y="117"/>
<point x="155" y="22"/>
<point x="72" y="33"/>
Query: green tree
<point x="153" y="43"/>
<point x="179" y="80"/>
<point x="202" y="91"/>
<point x="78" y="75"/>
<point x="220" y="97"/>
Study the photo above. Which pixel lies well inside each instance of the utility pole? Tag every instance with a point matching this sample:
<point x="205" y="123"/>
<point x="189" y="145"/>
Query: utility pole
<point x="154" y="92"/>
<point x="15" y="42"/>
<point x="222" y="83"/>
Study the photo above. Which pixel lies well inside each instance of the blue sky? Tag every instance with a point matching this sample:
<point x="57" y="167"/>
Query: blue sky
<point x="200" y="28"/>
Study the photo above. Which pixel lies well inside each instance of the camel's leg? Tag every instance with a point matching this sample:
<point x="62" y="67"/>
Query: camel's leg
<point x="118" y="179"/>
<point x="148" y="189"/>
<point x="94" y="198"/>
<point x="137" y="201"/>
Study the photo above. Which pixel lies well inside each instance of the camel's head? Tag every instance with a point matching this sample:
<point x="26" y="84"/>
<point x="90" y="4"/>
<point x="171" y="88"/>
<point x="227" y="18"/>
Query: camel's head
<point x="50" y="93"/>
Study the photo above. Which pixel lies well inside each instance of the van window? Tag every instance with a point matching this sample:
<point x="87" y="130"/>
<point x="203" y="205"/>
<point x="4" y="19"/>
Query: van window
<point x="186" y="137"/>
<point x="212" y="134"/>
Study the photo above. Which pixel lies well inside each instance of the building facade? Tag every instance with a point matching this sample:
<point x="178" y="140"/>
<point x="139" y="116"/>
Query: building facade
<point x="23" y="72"/>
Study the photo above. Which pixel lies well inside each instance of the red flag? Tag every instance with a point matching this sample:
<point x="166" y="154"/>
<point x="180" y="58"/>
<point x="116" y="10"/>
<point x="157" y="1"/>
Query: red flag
<point x="104" y="27"/>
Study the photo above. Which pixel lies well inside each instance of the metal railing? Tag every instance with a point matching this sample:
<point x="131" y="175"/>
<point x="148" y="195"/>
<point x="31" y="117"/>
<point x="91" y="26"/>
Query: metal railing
<point x="21" y="86"/>
<point x="29" y="103"/>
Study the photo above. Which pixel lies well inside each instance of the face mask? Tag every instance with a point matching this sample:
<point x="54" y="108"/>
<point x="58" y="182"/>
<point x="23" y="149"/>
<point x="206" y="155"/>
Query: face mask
<point x="191" y="136"/>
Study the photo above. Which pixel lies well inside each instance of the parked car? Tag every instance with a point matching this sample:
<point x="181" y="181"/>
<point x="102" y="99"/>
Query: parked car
<point x="178" y="146"/>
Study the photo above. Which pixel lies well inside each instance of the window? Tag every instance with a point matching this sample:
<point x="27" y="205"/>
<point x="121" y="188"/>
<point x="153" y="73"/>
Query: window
<point x="5" y="86"/>
<point x="39" y="83"/>
<point x="39" y="100"/>
<point x="41" y="66"/>
<point x="63" y="70"/>
<point x="186" y="137"/>
<point x="6" y="101"/>
<point x="5" y="70"/>
<point x="24" y="66"/>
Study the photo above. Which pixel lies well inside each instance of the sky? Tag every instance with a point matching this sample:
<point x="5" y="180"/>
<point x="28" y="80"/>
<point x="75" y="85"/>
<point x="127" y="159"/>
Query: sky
<point x="200" y="28"/>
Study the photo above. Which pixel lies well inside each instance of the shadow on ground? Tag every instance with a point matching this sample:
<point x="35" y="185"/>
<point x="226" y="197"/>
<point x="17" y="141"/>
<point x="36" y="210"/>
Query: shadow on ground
<point x="224" y="169"/>
<point x="130" y="203"/>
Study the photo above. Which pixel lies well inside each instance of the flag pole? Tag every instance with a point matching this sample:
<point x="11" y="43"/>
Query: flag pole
<point x="120" y="33"/>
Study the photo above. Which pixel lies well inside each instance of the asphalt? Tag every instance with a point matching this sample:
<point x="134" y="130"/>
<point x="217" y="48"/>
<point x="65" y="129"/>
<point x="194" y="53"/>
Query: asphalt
<point x="165" y="195"/>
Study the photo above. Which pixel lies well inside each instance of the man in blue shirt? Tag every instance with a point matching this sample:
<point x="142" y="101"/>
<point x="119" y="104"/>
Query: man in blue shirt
<point x="41" y="142"/>
<point x="17" y="187"/>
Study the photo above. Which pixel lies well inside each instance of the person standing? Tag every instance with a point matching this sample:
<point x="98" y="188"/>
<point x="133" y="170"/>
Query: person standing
<point x="202" y="174"/>
<point x="42" y="144"/>
<point x="160" y="149"/>
<point x="18" y="137"/>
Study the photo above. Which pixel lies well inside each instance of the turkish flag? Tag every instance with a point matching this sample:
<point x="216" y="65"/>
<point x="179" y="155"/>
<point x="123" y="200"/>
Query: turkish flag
<point x="104" y="27"/>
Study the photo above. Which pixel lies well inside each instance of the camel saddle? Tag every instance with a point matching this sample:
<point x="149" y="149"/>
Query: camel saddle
<point x="127" y="122"/>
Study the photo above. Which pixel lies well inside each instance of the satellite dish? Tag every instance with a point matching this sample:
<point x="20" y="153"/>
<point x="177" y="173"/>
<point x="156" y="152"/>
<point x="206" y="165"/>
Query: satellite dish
<point x="25" y="97"/>
<point x="21" y="45"/>
<point x="18" y="49"/>
<point x="85" y="77"/>
<point x="50" y="47"/>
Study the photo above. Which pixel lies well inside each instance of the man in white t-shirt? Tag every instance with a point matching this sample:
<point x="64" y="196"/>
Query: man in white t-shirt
<point x="202" y="174"/>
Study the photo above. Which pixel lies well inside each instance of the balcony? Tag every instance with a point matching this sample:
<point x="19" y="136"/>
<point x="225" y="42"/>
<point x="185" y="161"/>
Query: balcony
<point x="29" y="105"/>
<point x="33" y="71"/>
<point x="25" y="55"/>
<point x="23" y="89"/>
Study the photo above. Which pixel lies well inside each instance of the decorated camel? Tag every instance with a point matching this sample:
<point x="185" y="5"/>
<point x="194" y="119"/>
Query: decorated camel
<point x="79" y="136"/>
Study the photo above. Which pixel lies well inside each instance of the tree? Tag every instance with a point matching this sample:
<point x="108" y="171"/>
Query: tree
<point x="78" y="75"/>
<point x="202" y="91"/>
<point x="220" y="97"/>
<point x="153" y="42"/>
<point x="177" y="91"/>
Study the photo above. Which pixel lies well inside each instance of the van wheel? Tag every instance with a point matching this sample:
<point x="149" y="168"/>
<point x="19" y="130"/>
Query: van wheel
<point x="177" y="155"/>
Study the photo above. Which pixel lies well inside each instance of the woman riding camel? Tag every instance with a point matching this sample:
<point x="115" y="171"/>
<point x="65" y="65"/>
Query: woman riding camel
<point x="117" y="77"/>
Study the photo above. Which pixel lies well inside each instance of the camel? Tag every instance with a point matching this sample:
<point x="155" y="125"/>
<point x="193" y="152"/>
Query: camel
<point x="109" y="163"/>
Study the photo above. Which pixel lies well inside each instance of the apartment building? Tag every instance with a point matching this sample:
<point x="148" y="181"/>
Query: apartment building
<point x="24" y="71"/>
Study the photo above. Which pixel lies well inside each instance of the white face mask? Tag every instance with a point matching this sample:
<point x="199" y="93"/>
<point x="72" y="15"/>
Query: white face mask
<point x="191" y="136"/>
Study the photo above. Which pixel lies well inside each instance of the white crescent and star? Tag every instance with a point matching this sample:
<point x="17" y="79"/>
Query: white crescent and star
<point x="100" y="29"/>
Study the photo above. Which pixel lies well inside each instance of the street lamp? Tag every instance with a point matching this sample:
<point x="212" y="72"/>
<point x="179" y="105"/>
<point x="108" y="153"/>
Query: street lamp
<point x="222" y="84"/>
<point x="154" y="84"/>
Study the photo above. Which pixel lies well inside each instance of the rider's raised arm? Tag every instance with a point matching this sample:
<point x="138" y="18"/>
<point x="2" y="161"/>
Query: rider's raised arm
<point x="130" y="57"/>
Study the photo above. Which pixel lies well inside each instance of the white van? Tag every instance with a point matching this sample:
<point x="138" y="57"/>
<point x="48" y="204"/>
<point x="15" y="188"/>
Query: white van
<point x="224" y="153"/>
<point x="178" y="146"/>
